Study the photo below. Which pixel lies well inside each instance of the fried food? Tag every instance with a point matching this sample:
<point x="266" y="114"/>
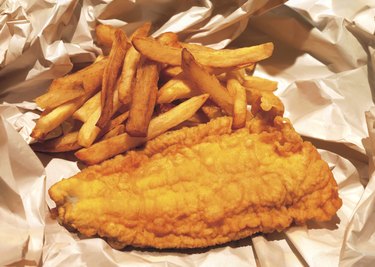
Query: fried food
<point x="111" y="71"/>
<point x="156" y="51"/>
<point x="240" y="102"/>
<point x="68" y="142"/>
<point x="206" y="82"/>
<point x="129" y="68"/>
<point x="108" y="148"/>
<point x="143" y="98"/>
<point x="201" y="186"/>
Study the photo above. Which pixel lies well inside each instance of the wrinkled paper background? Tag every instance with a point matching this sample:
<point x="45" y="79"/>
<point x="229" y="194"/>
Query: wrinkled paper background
<point x="324" y="62"/>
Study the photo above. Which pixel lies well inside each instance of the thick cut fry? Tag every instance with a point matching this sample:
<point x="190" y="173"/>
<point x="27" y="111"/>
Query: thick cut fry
<point x="68" y="142"/>
<point x="175" y="116"/>
<point x="55" y="98"/>
<point x="240" y="104"/>
<point x="119" y="129"/>
<point x="142" y="31"/>
<point x="217" y="58"/>
<point x="108" y="148"/>
<point x="53" y="119"/>
<point x="177" y="88"/>
<point x="170" y="72"/>
<point x="196" y="47"/>
<point x="72" y="86"/>
<point x="116" y="58"/>
<point x="259" y="83"/>
<point x="129" y="68"/>
<point x="169" y="39"/>
<point x="143" y="98"/>
<point x="84" y="112"/>
<point x="89" y="131"/>
<point x="206" y="82"/>
<point x="105" y="34"/>
<point x="114" y="123"/>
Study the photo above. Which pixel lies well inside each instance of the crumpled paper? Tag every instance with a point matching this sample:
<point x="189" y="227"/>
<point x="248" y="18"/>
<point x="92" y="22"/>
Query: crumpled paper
<point x="324" y="62"/>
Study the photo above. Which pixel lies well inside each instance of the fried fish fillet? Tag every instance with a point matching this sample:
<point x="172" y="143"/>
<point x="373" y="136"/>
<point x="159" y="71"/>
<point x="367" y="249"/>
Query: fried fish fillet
<point x="201" y="186"/>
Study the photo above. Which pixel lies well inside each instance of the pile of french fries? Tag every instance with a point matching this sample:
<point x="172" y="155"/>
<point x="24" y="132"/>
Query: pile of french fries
<point x="146" y="86"/>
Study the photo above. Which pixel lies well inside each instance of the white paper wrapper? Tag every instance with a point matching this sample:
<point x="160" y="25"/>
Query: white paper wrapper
<point x="324" y="62"/>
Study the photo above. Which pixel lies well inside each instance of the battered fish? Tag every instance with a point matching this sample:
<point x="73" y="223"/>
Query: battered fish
<point x="201" y="186"/>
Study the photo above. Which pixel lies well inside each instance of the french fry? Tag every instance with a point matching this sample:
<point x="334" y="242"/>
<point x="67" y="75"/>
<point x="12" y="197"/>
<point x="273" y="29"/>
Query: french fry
<point x="170" y="72"/>
<point x="89" y="130"/>
<point x="196" y="47"/>
<point x="169" y="39"/>
<point x="176" y="88"/>
<point x="84" y="112"/>
<point x="206" y="82"/>
<point x="53" y="119"/>
<point x="175" y="116"/>
<point x="114" y="123"/>
<point x="238" y="92"/>
<point x="117" y="130"/>
<point x="259" y="83"/>
<point x="72" y="86"/>
<point x="108" y="148"/>
<point x="64" y="143"/>
<point x="55" y="98"/>
<point x="156" y="51"/>
<point x="129" y="68"/>
<point x="105" y="34"/>
<point x="143" y="98"/>
<point x="116" y="58"/>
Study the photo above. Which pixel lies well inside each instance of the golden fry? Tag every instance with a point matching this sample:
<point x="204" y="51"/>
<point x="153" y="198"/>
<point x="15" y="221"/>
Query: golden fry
<point x="206" y="82"/>
<point x="143" y="98"/>
<point x="68" y="142"/>
<point x="55" y="98"/>
<point x="169" y="72"/>
<point x="72" y="86"/>
<point x="156" y="51"/>
<point x="240" y="104"/>
<point x="108" y="148"/>
<point x="169" y="39"/>
<point x="89" y="131"/>
<point x="114" y="123"/>
<point x="259" y="83"/>
<point x="105" y="34"/>
<point x="84" y="112"/>
<point x="117" y="130"/>
<point x="196" y="47"/>
<point x="116" y="58"/>
<point x="129" y="68"/>
<point x="53" y="119"/>
<point x="176" y="88"/>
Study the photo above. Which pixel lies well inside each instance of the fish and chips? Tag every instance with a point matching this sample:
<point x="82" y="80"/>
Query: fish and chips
<point x="187" y="147"/>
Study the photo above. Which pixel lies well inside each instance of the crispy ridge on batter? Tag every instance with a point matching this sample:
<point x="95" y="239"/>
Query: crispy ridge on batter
<point x="216" y="187"/>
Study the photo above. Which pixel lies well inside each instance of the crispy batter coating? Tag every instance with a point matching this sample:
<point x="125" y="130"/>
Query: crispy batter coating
<point x="198" y="187"/>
